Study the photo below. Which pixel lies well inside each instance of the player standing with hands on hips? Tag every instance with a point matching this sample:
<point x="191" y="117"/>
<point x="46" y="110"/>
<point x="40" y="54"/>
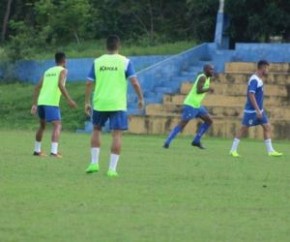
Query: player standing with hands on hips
<point x="254" y="113"/>
<point x="46" y="100"/>
<point x="109" y="73"/>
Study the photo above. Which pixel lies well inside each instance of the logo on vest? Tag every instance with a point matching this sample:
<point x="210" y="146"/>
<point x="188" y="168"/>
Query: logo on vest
<point x="50" y="74"/>
<point x="108" y="68"/>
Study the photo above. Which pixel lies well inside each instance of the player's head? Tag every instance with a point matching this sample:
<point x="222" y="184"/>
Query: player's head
<point x="208" y="70"/>
<point x="60" y="58"/>
<point x="113" y="43"/>
<point x="263" y="67"/>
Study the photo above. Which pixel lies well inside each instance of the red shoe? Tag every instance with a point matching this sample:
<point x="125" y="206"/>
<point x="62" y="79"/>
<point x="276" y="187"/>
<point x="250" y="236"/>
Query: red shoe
<point x="58" y="155"/>
<point x="41" y="154"/>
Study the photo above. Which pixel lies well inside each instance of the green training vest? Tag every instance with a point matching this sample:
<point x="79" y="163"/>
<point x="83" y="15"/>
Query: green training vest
<point x="50" y="93"/>
<point x="193" y="98"/>
<point x="110" y="92"/>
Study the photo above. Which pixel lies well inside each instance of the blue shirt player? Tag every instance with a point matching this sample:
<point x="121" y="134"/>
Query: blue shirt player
<point x="254" y="113"/>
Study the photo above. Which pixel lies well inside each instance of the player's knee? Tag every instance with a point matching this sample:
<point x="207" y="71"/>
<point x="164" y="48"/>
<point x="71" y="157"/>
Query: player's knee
<point x="209" y="121"/>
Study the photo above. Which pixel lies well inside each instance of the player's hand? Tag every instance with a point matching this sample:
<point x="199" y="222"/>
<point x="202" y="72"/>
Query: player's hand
<point x="259" y="115"/>
<point x="33" y="109"/>
<point x="141" y="104"/>
<point x="72" y="103"/>
<point x="88" y="109"/>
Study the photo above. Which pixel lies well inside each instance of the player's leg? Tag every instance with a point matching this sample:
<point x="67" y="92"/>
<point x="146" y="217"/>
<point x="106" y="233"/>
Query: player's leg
<point x="53" y="116"/>
<point x="95" y="150"/>
<point x="99" y="119"/>
<point x="207" y="122"/>
<point x="241" y="132"/>
<point x="247" y="121"/>
<point x="40" y="131"/>
<point x="115" y="152"/>
<point x="187" y="114"/>
<point x="267" y="137"/>
<point x="38" y="138"/>
<point x="118" y="123"/>
<point x="174" y="132"/>
<point x="56" y="129"/>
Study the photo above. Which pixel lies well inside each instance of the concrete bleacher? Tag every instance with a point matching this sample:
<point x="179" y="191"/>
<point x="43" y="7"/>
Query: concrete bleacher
<point x="225" y="104"/>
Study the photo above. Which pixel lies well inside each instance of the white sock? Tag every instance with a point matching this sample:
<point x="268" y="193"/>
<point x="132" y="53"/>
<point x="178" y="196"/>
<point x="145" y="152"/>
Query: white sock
<point x="113" y="162"/>
<point x="235" y="144"/>
<point x="54" y="147"/>
<point x="268" y="143"/>
<point x="37" y="146"/>
<point x="95" y="152"/>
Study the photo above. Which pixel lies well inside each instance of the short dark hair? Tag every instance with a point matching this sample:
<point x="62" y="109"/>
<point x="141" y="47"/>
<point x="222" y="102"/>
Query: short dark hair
<point x="59" y="57"/>
<point x="262" y="63"/>
<point x="113" y="42"/>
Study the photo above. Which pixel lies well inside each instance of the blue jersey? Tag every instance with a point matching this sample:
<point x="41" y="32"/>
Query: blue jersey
<point x="129" y="71"/>
<point x="256" y="86"/>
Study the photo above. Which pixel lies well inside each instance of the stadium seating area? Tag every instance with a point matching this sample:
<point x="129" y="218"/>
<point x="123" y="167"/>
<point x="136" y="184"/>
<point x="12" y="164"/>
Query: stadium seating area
<point x="225" y="104"/>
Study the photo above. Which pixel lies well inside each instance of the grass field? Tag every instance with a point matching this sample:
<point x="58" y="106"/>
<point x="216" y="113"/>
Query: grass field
<point x="180" y="194"/>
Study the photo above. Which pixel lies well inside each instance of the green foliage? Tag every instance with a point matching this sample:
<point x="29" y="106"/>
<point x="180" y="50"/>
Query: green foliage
<point x="202" y="16"/>
<point x="96" y="48"/>
<point x="46" y="24"/>
<point x="257" y="20"/>
<point x="21" y="45"/>
<point x="180" y="194"/>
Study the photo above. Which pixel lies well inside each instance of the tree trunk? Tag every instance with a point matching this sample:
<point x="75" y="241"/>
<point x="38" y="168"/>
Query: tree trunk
<point x="6" y="19"/>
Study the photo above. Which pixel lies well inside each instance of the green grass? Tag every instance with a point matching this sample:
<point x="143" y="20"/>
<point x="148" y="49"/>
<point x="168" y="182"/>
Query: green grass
<point x="16" y="101"/>
<point x="92" y="49"/>
<point x="179" y="194"/>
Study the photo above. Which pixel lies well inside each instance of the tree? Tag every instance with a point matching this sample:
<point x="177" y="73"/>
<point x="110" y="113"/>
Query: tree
<point x="6" y="19"/>
<point x="201" y="15"/>
<point x="257" y="20"/>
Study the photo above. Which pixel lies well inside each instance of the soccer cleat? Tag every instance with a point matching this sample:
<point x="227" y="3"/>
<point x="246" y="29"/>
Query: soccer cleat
<point x="234" y="154"/>
<point x="93" y="168"/>
<point x="58" y="155"/>
<point x="275" y="154"/>
<point x="112" y="173"/>
<point x="166" y="146"/>
<point x="198" y="145"/>
<point x="40" y="154"/>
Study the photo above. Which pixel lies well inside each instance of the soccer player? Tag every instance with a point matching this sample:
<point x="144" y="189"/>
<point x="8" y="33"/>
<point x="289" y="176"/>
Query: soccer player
<point x="46" y="100"/>
<point x="254" y="113"/>
<point x="192" y="108"/>
<point x="109" y="73"/>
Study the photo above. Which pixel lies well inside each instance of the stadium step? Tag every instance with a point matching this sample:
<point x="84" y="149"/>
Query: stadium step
<point x="234" y="78"/>
<point x="227" y="101"/>
<point x="225" y="128"/>
<point x="164" y="102"/>
<point x="250" y="67"/>
<point x="230" y="89"/>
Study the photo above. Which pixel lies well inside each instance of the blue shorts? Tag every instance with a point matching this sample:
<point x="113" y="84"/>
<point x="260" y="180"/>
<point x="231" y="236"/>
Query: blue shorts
<point x="190" y="112"/>
<point x="250" y="119"/>
<point x="118" y="119"/>
<point x="48" y="113"/>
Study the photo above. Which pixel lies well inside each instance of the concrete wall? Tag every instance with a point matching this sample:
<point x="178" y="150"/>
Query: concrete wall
<point x="273" y="52"/>
<point x="31" y="71"/>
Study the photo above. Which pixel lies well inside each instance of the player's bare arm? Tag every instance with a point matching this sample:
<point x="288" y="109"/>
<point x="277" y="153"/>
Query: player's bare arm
<point x="61" y="85"/>
<point x="255" y="105"/>
<point x="200" y="86"/>
<point x="138" y="90"/>
<point x="88" y="91"/>
<point x="35" y="96"/>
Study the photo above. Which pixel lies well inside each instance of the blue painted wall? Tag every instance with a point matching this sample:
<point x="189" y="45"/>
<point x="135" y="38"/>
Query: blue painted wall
<point x="272" y="52"/>
<point x="31" y="71"/>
